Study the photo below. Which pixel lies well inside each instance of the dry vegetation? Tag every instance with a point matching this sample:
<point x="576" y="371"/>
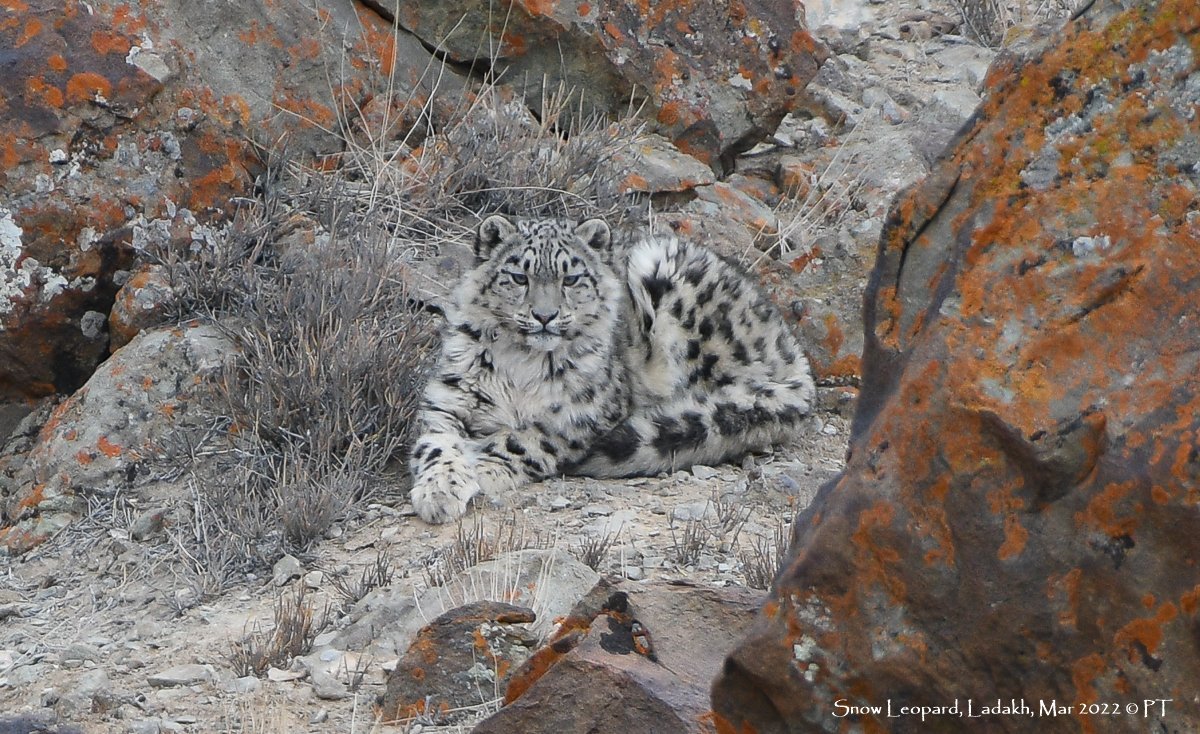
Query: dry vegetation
<point x="989" y="21"/>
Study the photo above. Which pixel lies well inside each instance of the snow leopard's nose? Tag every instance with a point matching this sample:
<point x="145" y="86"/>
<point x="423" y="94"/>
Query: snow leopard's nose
<point x="545" y="317"/>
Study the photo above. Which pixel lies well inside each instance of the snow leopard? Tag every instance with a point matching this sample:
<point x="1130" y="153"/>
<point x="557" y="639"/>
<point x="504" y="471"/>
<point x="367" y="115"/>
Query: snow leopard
<point x="565" y="354"/>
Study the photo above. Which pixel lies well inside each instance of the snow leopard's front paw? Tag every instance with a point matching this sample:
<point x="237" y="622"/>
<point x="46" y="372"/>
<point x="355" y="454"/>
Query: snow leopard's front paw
<point x="442" y="482"/>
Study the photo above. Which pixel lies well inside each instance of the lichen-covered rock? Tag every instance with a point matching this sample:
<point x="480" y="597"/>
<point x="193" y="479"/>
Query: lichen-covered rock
<point x="715" y="77"/>
<point x="1018" y="516"/>
<point x="120" y="118"/>
<point x="141" y="302"/>
<point x="458" y="660"/>
<point x="94" y="442"/>
<point x="90" y="138"/>
<point x="640" y="665"/>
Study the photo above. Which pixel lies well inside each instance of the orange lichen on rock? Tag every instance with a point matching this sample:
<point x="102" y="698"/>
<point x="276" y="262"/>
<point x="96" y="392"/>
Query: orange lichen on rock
<point x="86" y="86"/>
<point x="106" y="42"/>
<point x="1028" y="409"/>
<point x="108" y="448"/>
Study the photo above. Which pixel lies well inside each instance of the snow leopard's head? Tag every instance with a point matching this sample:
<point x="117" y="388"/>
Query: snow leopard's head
<point x="545" y="281"/>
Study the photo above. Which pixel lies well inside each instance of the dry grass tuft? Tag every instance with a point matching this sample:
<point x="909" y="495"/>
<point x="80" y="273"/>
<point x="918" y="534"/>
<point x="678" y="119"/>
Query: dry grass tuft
<point x="297" y="624"/>
<point x="764" y="558"/>
<point x="989" y="21"/>
<point x="474" y="545"/>
<point x="352" y="590"/>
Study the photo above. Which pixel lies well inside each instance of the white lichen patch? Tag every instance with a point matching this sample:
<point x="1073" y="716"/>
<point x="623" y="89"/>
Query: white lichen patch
<point x="17" y="280"/>
<point x="804" y="649"/>
<point x="741" y="81"/>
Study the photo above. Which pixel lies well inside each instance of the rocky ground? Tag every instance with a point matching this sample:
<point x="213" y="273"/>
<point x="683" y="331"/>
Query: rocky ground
<point x="102" y="633"/>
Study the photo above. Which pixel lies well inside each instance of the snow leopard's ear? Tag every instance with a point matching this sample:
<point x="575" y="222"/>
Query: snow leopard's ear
<point x="595" y="234"/>
<point x="492" y="231"/>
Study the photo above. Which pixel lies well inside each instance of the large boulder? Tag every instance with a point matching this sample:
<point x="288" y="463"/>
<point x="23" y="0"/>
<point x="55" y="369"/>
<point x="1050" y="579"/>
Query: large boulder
<point x="715" y="77"/>
<point x="1017" y="522"/>
<point x="96" y="442"/>
<point x="124" y="126"/>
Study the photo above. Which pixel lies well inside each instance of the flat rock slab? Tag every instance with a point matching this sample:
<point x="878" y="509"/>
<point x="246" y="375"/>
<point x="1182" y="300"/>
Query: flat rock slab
<point x="182" y="675"/>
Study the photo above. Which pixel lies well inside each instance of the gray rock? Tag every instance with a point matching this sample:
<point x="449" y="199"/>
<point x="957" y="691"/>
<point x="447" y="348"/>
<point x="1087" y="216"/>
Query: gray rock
<point x="713" y="82"/>
<point x="286" y="569"/>
<point x="101" y="433"/>
<point x="326" y="685"/>
<point x="967" y="62"/>
<point x="182" y="675"/>
<point x="961" y="102"/>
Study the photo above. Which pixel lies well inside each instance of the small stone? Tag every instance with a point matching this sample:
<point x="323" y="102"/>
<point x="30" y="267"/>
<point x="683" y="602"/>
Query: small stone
<point x="633" y="573"/>
<point x="279" y="675"/>
<point x="286" y="569"/>
<point x="692" y="511"/>
<point x="245" y="684"/>
<point x="181" y="675"/>
<point x="147" y="524"/>
<point x="326" y="686"/>
<point x="559" y="503"/>
<point x="314" y="579"/>
<point x="320" y="717"/>
<point x="597" y="510"/>
<point x="325" y="638"/>
<point x="704" y="473"/>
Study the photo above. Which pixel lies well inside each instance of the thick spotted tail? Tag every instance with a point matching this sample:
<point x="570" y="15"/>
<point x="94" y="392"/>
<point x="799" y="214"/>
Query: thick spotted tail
<point x="716" y="371"/>
<point x="731" y="423"/>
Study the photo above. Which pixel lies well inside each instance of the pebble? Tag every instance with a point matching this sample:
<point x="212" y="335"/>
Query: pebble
<point x="559" y="503"/>
<point x="597" y="510"/>
<point x="692" y="511"/>
<point x="704" y="473"/>
<point x="633" y="573"/>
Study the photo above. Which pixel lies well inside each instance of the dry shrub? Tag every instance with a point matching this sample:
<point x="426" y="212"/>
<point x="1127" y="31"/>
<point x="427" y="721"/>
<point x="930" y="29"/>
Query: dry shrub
<point x="297" y="624"/>
<point x="764" y="558"/>
<point x="988" y="21"/>
<point x="492" y="155"/>
<point x="378" y="574"/>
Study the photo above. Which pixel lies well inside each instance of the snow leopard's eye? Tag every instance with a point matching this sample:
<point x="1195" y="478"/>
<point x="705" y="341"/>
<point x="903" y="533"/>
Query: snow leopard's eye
<point x="518" y="278"/>
<point x="570" y="280"/>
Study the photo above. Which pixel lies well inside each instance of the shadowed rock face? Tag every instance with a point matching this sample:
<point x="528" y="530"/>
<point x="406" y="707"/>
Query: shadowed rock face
<point x="1020" y="515"/>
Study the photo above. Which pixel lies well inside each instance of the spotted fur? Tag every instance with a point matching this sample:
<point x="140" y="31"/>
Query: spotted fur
<point x="560" y="357"/>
